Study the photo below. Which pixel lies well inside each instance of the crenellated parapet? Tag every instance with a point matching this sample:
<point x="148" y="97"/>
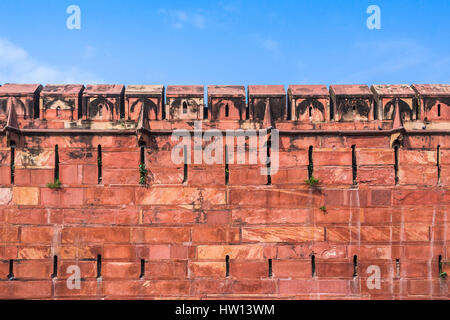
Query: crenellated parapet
<point x="267" y="101"/>
<point x="392" y="98"/>
<point x="24" y="98"/>
<point x="434" y="101"/>
<point x="185" y="103"/>
<point x="145" y="99"/>
<point x="301" y="107"/>
<point x="309" y="103"/>
<point x="103" y="102"/>
<point x="61" y="102"/>
<point x="351" y="103"/>
<point x="227" y="103"/>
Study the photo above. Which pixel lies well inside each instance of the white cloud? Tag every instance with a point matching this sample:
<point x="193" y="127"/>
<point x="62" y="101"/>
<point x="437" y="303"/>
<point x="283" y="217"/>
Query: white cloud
<point x="386" y="59"/>
<point x="89" y="52"/>
<point x="270" y="45"/>
<point x="179" y="19"/>
<point x="16" y="65"/>
<point x="198" y="21"/>
<point x="230" y="6"/>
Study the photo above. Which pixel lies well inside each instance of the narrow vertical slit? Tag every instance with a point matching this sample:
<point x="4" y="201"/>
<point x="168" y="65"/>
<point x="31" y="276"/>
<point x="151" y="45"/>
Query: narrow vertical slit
<point x="143" y="172"/>
<point x="416" y="108"/>
<point x="439" y="163"/>
<point x="313" y="265"/>
<point x="310" y="111"/>
<point x="439" y="110"/>
<point x="99" y="266"/>
<point x="205" y="112"/>
<point x="397" y="267"/>
<point x="440" y="265"/>
<point x="311" y="163"/>
<point x="36" y="105"/>
<point x="396" y="164"/>
<point x="122" y="106"/>
<point x="289" y="110"/>
<point x="141" y="276"/>
<point x="331" y="109"/>
<point x="354" y="166"/>
<point x="270" y="268"/>
<point x="12" y="163"/>
<point x="227" y="263"/>
<point x="11" y="270"/>
<point x="375" y="109"/>
<point x="99" y="164"/>
<point x="56" y="163"/>
<point x="185" y="179"/>
<point x="247" y="110"/>
<point x="269" y="163"/>
<point x="80" y="108"/>
<point x="55" y="267"/>
<point x="227" y="111"/>
<point x="355" y="266"/>
<point x="227" y="171"/>
<point x="142" y="155"/>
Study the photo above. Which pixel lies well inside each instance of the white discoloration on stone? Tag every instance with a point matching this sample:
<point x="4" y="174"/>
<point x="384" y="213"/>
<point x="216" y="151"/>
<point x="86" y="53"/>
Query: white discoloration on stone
<point x="35" y="159"/>
<point x="5" y="196"/>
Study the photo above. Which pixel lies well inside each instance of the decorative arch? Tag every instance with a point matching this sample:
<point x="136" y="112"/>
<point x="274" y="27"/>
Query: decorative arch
<point x="406" y="111"/>
<point x="96" y="108"/>
<point x="303" y="107"/>
<point x="64" y="104"/>
<point x="346" y="107"/>
<point x="20" y="108"/>
<point x="148" y="106"/>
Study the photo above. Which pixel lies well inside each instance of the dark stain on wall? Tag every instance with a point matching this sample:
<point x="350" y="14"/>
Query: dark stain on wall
<point x="406" y="113"/>
<point x="3" y="106"/>
<point x="148" y="105"/>
<point x="96" y="106"/>
<point x="346" y="106"/>
<point x="237" y="103"/>
<point x="302" y="107"/>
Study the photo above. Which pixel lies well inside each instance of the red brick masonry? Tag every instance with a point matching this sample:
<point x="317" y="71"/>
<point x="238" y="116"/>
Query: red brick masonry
<point x="381" y="155"/>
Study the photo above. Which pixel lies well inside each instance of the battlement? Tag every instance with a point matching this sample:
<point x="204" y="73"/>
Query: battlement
<point x="357" y="206"/>
<point x="301" y="104"/>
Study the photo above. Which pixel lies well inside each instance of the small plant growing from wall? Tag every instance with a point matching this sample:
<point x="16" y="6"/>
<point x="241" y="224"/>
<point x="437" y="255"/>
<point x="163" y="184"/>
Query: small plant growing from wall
<point x="312" y="182"/>
<point x="443" y="275"/>
<point x="323" y="209"/>
<point x="143" y="174"/>
<point x="54" y="185"/>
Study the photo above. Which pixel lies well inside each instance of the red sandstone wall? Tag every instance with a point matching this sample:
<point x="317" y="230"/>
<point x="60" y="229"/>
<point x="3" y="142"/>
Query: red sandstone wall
<point x="184" y="231"/>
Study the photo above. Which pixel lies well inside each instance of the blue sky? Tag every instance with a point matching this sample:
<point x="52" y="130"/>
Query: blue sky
<point x="225" y="42"/>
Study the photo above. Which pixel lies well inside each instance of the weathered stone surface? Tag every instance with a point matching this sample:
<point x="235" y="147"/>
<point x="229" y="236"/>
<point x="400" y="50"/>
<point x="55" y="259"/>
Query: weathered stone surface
<point x="179" y="196"/>
<point x="200" y="231"/>
<point x="282" y="234"/>
<point x="26" y="196"/>
<point x="5" y="196"/>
